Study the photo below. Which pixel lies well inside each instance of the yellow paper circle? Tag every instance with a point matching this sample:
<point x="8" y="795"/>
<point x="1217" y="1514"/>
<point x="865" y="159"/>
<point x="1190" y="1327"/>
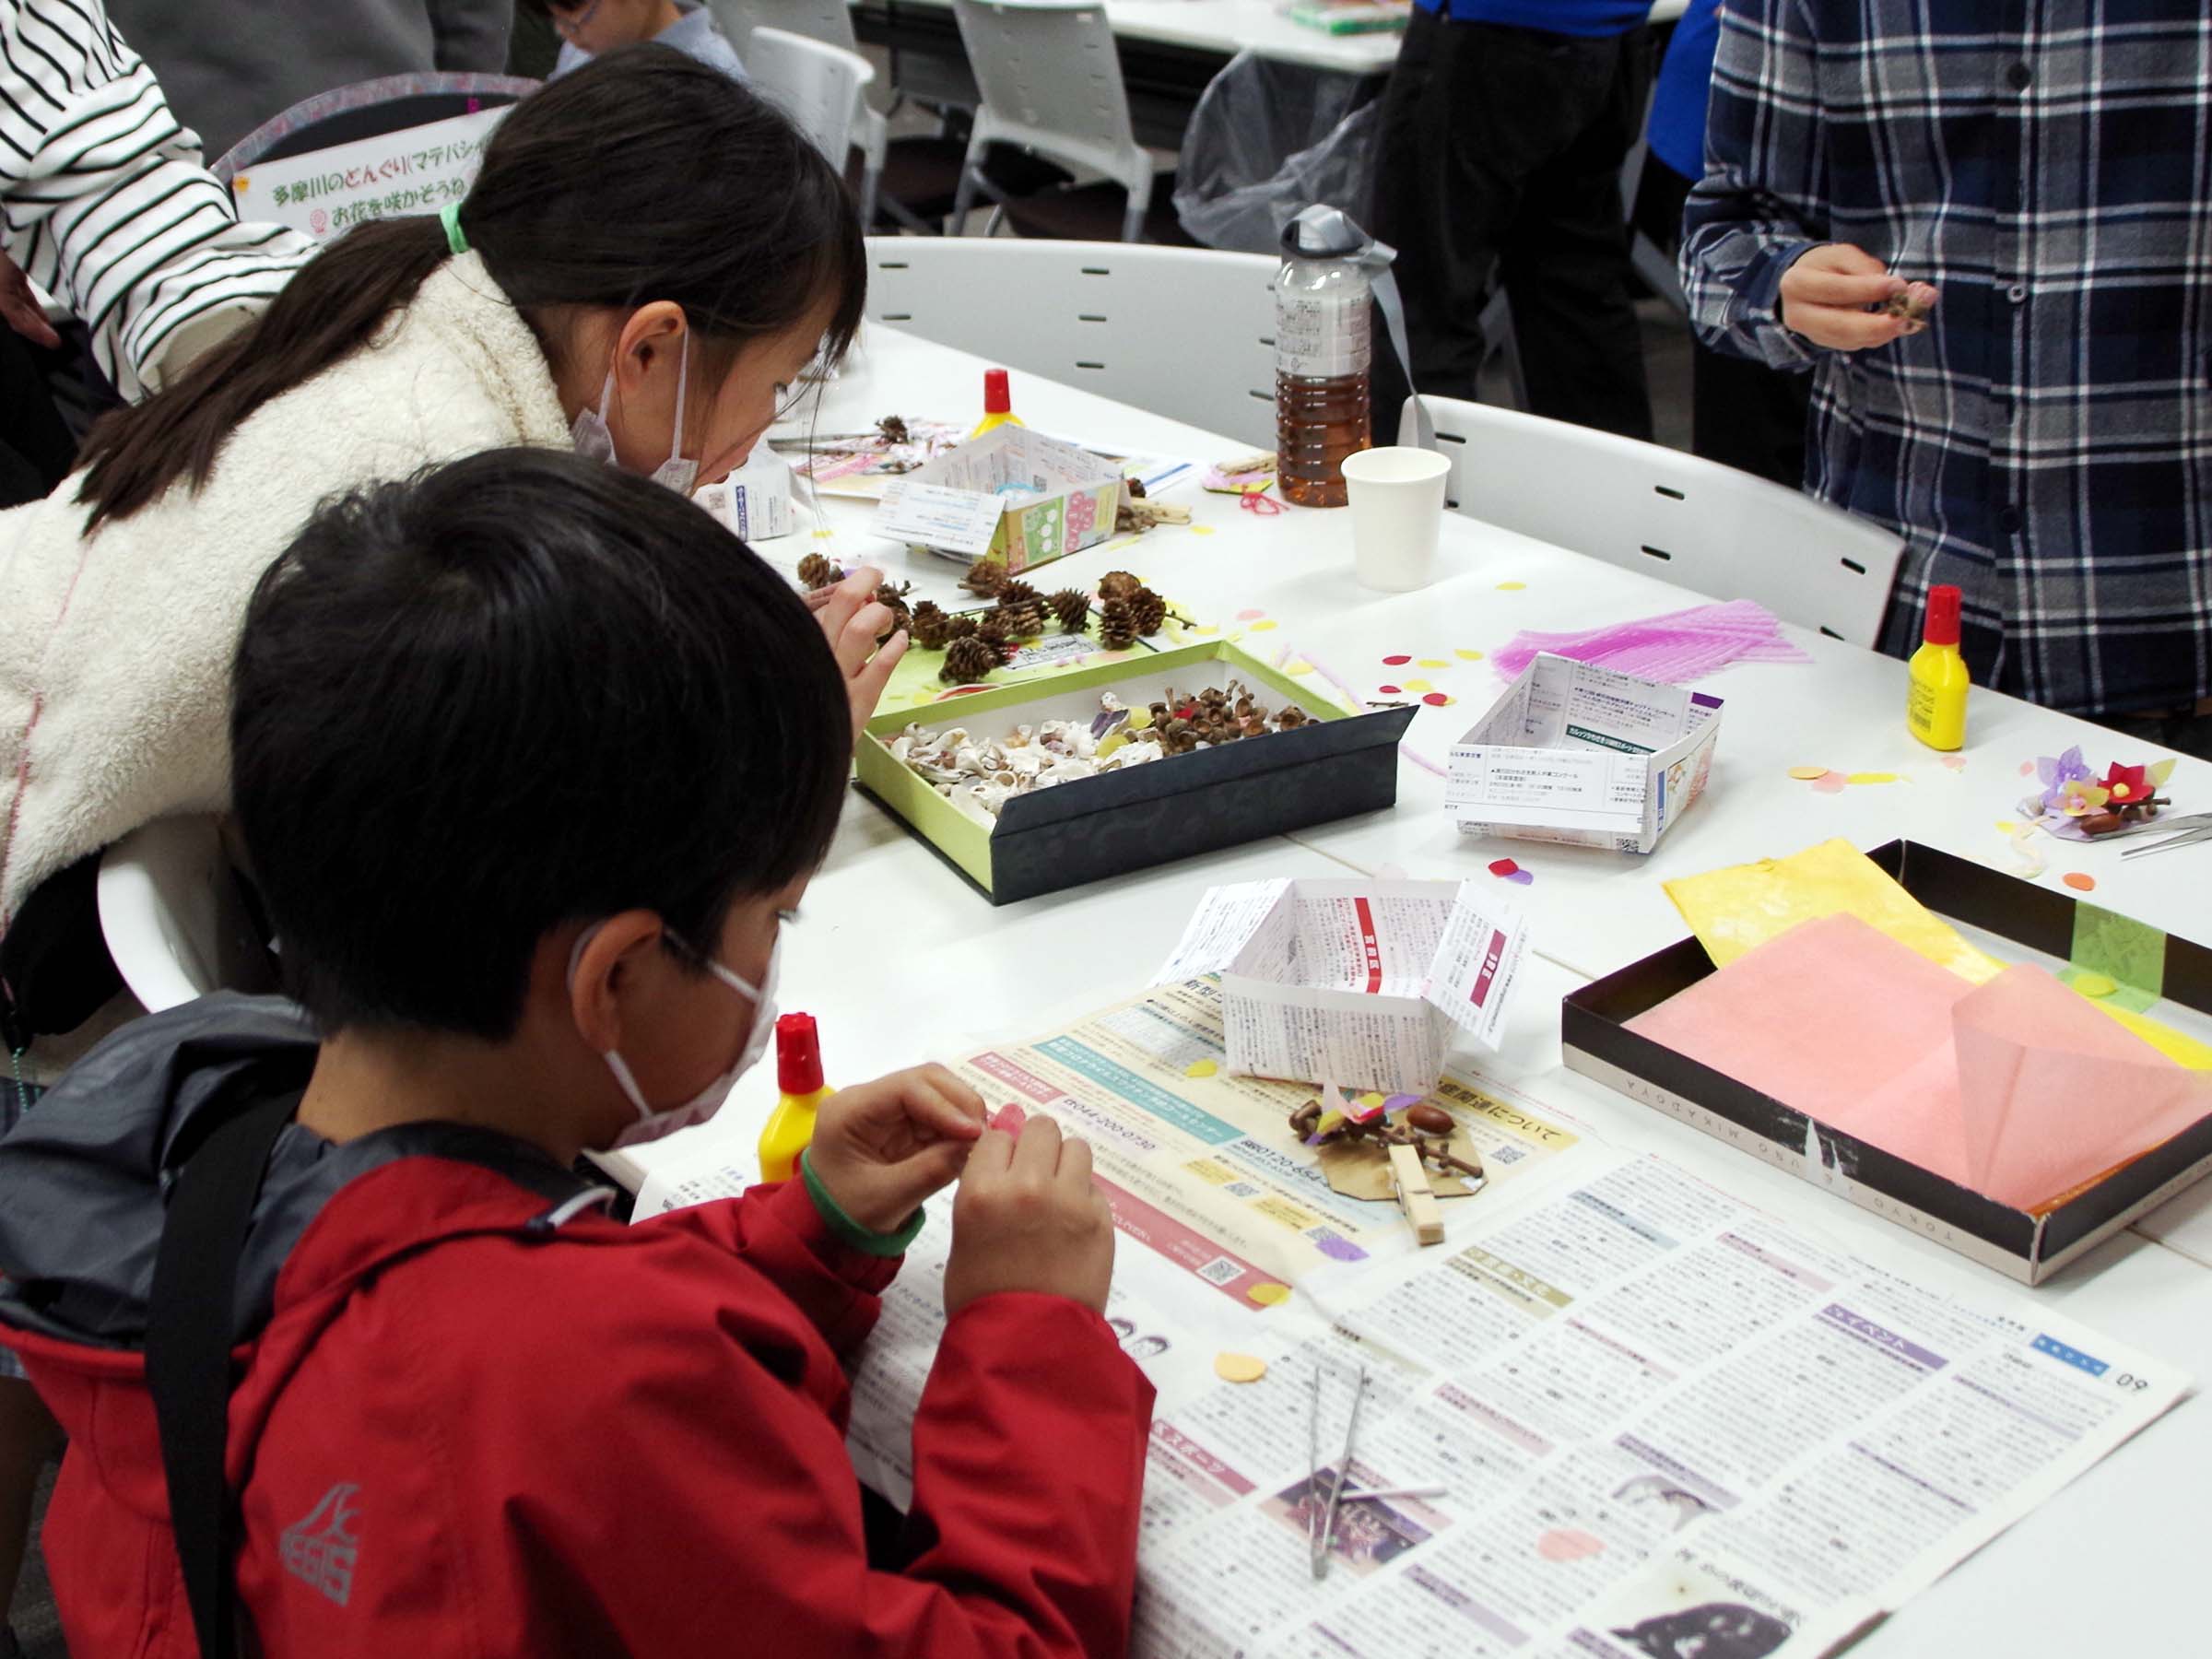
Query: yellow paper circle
<point x="1415" y="685"/>
<point x="1511" y="587"/>
<point x="2095" y="984"/>
<point x="1299" y="668"/>
<point x="1431" y="663"/>
<point x="1465" y="655"/>
<point x="1806" y="774"/>
<point x="1871" y="778"/>
<point x="1200" y="529"/>
<point x="1268" y="1294"/>
<point x="1200" y="1068"/>
<point x="1238" y="1367"/>
<point x="1264" y="627"/>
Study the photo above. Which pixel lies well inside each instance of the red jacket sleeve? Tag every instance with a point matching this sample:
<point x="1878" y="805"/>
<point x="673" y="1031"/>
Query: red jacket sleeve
<point x="776" y="1231"/>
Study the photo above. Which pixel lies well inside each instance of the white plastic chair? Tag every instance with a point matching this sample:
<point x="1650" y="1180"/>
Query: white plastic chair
<point x="831" y="22"/>
<point x="1051" y="80"/>
<point x="1693" y="523"/>
<point x="823" y="89"/>
<point x="1188" y="333"/>
<point x="175" y="916"/>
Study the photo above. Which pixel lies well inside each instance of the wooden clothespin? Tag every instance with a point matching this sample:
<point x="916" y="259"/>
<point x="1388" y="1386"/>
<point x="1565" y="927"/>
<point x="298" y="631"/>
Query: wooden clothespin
<point x="1416" y="1196"/>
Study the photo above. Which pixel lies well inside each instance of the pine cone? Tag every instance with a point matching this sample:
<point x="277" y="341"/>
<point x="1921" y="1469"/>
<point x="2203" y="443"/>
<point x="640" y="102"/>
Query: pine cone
<point x="901" y="617"/>
<point x="1072" y="606"/>
<point x="1147" y="610"/>
<point x="931" y="627"/>
<point x="819" y="573"/>
<point x="1119" y="584"/>
<point x="959" y="625"/>
<point x="995" y="629"/>
<point x="966" y="661"/>
<point x="985" y="576"/>
<point x="1117" y="628"/>
<point x="1025" y="620"/>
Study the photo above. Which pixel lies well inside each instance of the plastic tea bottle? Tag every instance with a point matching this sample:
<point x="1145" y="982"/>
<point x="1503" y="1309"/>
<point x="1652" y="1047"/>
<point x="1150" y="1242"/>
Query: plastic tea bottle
<point x="1322" y="352"/>
<point x="799" y="1075"/>
<point x="998" y="404"/>
<point x="1936" y="706"/>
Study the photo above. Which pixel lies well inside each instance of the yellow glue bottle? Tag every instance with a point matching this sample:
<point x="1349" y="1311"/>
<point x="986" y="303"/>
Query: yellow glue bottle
<point x="998" y="404"/>
<point x="799" y="1075"/>
<point x="1935" y="707"/>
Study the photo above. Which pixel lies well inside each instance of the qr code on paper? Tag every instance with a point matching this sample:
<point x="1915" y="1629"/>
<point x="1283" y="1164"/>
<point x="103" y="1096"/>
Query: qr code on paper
<point x="1242" y="1189"/>
<point x="1219" y="1271"/>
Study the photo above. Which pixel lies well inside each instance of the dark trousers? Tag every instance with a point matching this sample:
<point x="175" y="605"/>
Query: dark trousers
<point x="1500" y="155"/>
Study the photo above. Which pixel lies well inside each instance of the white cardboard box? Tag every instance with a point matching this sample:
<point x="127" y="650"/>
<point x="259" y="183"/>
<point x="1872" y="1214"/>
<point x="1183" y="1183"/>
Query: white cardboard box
<point x="755" y="500"/>
<point x="1581" y="754"/>
<point x="1356" y="981"/>
<point x="1013" y="495"/>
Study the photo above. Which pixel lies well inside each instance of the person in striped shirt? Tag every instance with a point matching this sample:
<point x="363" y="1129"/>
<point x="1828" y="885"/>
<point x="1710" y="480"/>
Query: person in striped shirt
<point x="108" y="208"/>
<point x="2045" y="438"/>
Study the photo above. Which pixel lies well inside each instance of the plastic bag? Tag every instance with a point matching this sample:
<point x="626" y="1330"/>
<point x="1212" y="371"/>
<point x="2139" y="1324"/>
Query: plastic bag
<point x="1268" y="138"/>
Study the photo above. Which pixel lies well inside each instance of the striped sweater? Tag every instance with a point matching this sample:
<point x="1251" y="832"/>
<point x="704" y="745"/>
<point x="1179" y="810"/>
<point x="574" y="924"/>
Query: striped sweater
<point x="105" y="204"/>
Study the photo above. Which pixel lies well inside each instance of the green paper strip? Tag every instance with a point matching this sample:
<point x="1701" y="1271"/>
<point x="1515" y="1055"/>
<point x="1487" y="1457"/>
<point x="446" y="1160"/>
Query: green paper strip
<point x="2130" y="953"/>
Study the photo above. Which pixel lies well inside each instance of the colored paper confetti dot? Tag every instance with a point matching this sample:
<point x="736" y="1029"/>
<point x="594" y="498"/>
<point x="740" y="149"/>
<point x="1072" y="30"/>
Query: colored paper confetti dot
<point x="1806" y="774"/>
<point x="2079" y="882"/>
<point x="1511" y="587"/>
<point x="1956" y="762"/>
<point x="1502" y="866"/>
<point x="1830" y="783"/>
<point x="1206" y="628"/>
<point x="1199" y="529"/>
<point x="1436" y="700"/>
<point x="1009" y="1119"/>
<point x="1565" y="1544"/>
<point x="1200" y="1068"/>
<point x="1432" y="662"/>
<point x="2095" y="984"/>
<point x="1523" y="878"/>
<point x="1238" y="1367"/>
<point x="2027" y="769"/>
<point x="1420" y="685"/>
<point x="1388" y="690"/>
<point x="1264" y="627"/>
<point x="1268" y="1293"/>
<point x="2007" y="826"/>
<point x="1872" y="778"/>
<point x="1249" y="616"/>
<point x="1399" y="659"/>
<point x="824" y="535"/>
<point x="1465" y="655"/>
<point x="1299" y="668"/>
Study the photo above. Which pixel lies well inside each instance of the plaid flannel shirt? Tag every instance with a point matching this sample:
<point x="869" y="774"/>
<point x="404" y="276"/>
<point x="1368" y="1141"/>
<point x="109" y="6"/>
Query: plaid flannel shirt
<point x="2047" y="442"/>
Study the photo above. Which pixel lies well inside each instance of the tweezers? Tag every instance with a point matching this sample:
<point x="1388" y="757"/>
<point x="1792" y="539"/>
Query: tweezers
<point x="2197" y="827"/>
<point x="1343" y="1472"/>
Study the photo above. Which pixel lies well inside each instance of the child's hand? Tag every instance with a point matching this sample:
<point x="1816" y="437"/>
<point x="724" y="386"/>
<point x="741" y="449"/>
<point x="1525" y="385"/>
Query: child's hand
<point x="1825" y="295"/>
<point x="882" y="1148"/>
<point x="1028" y="1218"/>
<point x="851" y="618"/>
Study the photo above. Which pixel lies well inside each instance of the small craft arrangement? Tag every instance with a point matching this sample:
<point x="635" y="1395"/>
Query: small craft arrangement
<point x="1121" y="764"/>
<point x="1825" y="1007"/>
<point x="2075" y="803"/>
<point x="863" y="465"/>
<point x="1584" y="755"/>
<point x="1422" y="1157"/>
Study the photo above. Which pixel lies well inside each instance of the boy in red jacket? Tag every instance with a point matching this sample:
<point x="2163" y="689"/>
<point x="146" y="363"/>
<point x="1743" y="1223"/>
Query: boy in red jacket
<point x="532" y="763"/>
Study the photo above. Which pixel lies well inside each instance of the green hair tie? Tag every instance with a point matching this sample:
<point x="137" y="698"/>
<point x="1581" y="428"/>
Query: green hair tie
<point x="450" y="217"/>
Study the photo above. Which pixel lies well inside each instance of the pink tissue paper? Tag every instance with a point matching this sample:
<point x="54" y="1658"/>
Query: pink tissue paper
<point x="1676" y="648"/>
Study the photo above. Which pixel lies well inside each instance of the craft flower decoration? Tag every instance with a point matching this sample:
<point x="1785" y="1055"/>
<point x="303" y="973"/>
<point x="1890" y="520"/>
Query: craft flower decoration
<point x="2069" y="768"/>
<point x="2077" y="804"/>
<point x="2076" y="799"/>
<point x="2125" y="782"/>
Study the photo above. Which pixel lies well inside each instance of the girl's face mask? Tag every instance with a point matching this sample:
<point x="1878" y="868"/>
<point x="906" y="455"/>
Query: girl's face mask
<point x="594" y="440"/>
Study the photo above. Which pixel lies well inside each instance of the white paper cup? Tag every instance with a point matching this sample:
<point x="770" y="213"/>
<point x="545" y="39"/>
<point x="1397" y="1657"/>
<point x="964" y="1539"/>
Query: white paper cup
<point x="1397" y="501"/>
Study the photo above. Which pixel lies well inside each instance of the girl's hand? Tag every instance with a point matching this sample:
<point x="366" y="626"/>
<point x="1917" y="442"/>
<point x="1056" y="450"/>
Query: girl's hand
<point x="851" y="618"/>
<point x="20" y="308"/>
<point x="1825" y="295"/>
<point x="882" y="1148"/>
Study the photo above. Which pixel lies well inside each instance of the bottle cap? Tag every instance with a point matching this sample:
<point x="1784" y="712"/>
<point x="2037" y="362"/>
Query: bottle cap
<point x="1943" y="616"/>
<point x="798" y="1056"/>
<point x="997" y="400"/>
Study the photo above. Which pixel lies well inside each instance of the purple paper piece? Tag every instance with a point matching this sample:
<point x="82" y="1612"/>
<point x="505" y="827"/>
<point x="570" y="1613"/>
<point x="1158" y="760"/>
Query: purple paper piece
<point x="1674" y="648"/>
<point x="1523" y="878"/>
<point x="1398" y="1102"/>
<point x="1338" y="1248"/>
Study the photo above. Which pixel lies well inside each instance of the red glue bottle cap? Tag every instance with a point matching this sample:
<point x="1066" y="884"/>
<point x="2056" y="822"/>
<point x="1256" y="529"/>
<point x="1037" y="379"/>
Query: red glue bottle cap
<point x="997" y="399"/>
<point x="1943" y="616"/>
<point x="798" y="1056"/>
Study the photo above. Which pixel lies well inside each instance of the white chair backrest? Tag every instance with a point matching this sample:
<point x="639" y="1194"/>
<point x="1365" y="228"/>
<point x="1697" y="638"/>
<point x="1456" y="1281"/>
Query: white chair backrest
<point x="1697" y="523"/>
<point x="1050" y="81"/>
<point x="820" y="86"/>
<point x="173" y="917"/>
<point x="1187" y="333"/>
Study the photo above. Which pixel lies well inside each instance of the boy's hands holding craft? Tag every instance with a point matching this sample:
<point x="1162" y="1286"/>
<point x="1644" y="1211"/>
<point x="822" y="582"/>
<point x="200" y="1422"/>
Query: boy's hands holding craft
<point x="1029" y="1217"/>
<point x="882" y="1148"/>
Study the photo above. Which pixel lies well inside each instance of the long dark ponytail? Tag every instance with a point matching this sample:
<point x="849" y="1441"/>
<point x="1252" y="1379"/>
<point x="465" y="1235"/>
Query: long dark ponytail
<point x="644" y="175"/>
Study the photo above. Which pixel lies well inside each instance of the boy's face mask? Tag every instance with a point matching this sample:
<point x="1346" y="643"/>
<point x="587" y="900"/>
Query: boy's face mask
<point x="653" y="1125"/>
<point x="594" y="440"/>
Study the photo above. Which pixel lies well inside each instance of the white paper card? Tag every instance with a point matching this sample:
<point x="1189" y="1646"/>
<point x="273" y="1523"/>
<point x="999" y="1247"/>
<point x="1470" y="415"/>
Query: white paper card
<point x="938" y="516"/>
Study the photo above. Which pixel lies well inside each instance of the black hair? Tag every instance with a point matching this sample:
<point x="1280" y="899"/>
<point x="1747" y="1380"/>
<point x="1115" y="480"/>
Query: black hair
<point x="514" y="691"/>
<point x="644" y="175"/>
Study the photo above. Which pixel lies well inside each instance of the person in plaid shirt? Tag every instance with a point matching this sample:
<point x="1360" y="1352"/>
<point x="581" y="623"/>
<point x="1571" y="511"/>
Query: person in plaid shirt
<point x="2045" y="440"/>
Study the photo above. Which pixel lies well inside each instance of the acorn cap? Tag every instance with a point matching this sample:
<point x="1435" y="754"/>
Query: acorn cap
<point x="798" y="1056"/>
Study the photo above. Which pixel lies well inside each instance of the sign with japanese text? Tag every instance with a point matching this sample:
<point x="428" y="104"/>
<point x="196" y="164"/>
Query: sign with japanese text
<point x="327" y="192"/>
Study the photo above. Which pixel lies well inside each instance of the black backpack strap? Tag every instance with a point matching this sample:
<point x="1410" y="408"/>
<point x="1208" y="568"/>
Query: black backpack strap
<point x="188" y="1354"/>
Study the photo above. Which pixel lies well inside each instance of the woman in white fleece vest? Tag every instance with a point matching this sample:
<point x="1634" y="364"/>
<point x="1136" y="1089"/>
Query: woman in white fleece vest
<point x="648" y="242"/>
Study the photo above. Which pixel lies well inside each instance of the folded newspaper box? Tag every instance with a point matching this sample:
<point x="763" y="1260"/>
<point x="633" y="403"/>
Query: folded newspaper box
<point x="1359" y="983"/>
<point x="1580" y="754"/>
<point x="1011" y="495"/>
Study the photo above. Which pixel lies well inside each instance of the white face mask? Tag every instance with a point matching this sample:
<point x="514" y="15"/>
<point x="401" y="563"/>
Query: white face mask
<point x="652" y="1124"/>
<point x="594" y="441"/>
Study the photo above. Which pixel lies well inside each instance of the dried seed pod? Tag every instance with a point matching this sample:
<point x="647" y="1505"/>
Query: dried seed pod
<point x="1290" y="719"/>
<point x="966" y="661"/>
<point x="985" y="576"/>
<point x="1149" y="610"/>
<point x="1072" y="606"/>
<point x="1306" y="1119"/>
<point x="819" y="573"/>
<point x="1135" y="487"/>
<point x="1119" y="584"/>
<point x="892" y="429"/>
<point x="1428" y="1119"/>
<point x="1117" y="629"/>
